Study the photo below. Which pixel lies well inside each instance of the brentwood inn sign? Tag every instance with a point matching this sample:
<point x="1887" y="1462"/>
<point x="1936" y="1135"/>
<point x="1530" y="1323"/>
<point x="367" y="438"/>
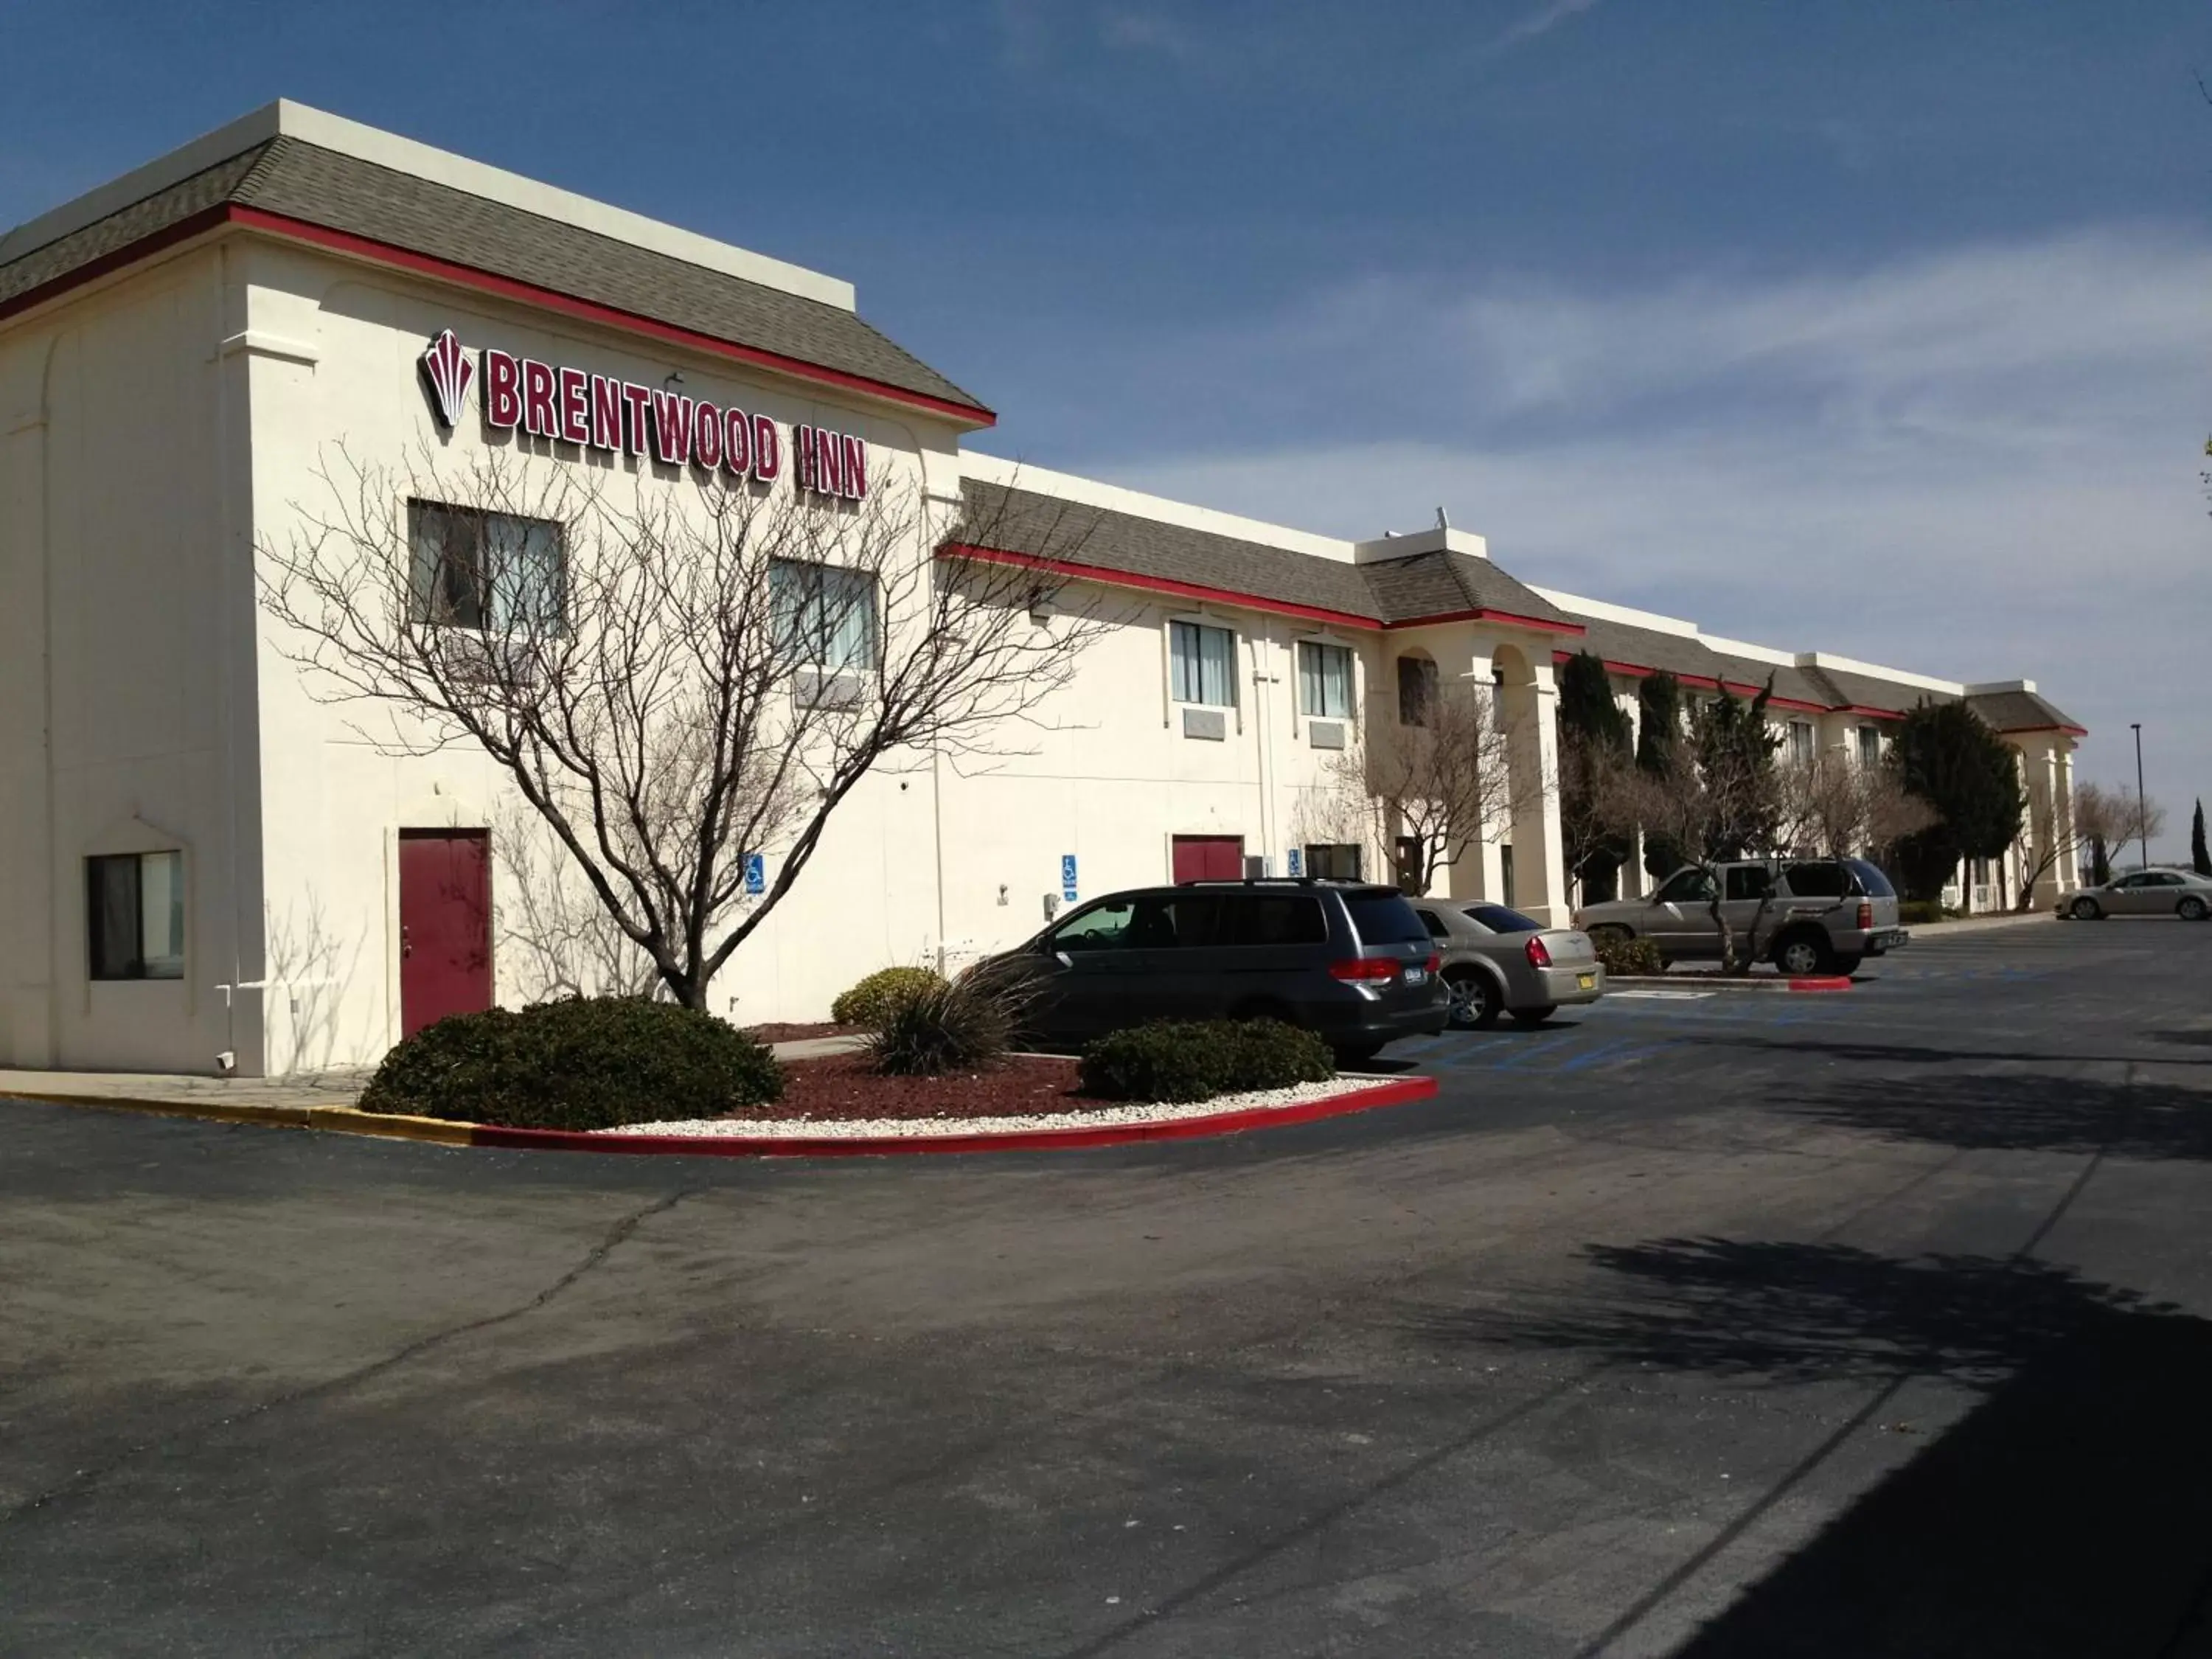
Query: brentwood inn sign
<point x="592" y="411"/>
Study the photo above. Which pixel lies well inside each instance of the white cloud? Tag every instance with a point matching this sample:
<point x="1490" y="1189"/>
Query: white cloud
<point x="1540" y="22"/>
<point x="1982" y="463"/>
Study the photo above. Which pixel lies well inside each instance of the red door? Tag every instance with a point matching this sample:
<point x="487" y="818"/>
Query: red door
<point x="444" y="925"/>
<point x="1209" y="858"/>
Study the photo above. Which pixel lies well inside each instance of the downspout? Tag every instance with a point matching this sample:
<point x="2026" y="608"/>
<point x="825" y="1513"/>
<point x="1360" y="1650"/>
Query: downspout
<point x="227" y="695"/>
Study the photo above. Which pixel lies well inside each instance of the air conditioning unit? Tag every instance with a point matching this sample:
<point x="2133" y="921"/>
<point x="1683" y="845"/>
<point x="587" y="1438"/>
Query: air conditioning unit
<point x="1208" y="723"/>
<point x="812" y="689"/>
<point x="1325" y="734"/>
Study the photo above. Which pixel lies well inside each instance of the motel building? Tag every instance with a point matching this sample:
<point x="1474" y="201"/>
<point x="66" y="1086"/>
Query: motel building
<point x="203" y="867"/>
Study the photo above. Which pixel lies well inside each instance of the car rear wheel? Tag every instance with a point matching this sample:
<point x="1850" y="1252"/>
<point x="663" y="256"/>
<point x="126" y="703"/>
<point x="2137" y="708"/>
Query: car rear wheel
<point x="2085" y="909"/>
<point x="1800" y="954"/>
<point x="2190" y="908"/>
<point x="1475" y="1000"/>
<point x="1534" y="1016"/>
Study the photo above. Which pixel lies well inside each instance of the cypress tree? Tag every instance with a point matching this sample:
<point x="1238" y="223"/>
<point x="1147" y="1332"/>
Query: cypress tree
<point x="2200" y="858"/>
<point x="1593" y="735"/>
<point x="1659" y="727"/>
<point x="1948" y="757"/>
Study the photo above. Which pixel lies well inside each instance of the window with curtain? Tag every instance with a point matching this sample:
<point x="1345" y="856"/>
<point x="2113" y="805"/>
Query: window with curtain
<point x="135" y="916"/>
<point x="1202" y="663"/>
<point x="489" y="572"/>
<point x="1870" y="745"/>
<point x="825" y="615"/>
<point x="1800" y="741"/>
<point x="1324" y="680"/>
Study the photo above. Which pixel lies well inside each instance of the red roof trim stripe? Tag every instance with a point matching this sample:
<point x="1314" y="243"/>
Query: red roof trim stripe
<point x="1100" y="573"/>
<point x="2070" y="730"/>
<point x="592" y="310"/>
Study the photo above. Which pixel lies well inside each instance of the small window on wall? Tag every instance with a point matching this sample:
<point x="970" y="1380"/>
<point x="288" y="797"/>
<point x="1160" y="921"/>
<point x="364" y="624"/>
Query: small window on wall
<point x="1417" y="690"/>
<point x="135" y="916"/>
<point x="489" y="572"/>
<point x="1800" y="741"/>
<point x="825" y="615"/>
<point x="1870" y="745"/>
<point x="1333" y="861"/>
<point x="1324" y="680"/>
<point x="1202" y="663"/>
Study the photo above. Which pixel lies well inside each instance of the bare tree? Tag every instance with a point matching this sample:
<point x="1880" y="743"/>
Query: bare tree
<point x="2106" y="819"/>
<point x="1833" y="806"/>
<point x="1436" y="785"/>
<point x="548" y="915"/>
<point x="674" y="679"/>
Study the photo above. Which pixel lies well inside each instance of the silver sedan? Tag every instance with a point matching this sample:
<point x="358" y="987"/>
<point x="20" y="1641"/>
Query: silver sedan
<point x="1498" y="961"/>
<point x="2181" y="893"/>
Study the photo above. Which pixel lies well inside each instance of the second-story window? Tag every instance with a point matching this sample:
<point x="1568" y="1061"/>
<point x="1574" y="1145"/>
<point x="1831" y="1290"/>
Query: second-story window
<point x="1417" y="690"/>
<point x="825" y="615"/>
<point x="1870" y="745"/>
<point x="1800" y="741"/>
<point x="492" y="573"/>
<point x="1203" y="663"/>
<point x="1324" y="680"/>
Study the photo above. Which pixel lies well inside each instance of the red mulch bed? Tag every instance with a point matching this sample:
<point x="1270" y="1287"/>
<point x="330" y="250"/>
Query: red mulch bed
<point x="842" y="1087"/>
<point x="791" y="1033"/>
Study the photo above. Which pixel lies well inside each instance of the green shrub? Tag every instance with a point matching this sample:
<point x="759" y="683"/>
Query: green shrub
<point x="870" y="1002"/>
<point x="1915" y="912"/>
<point x="1196" y="1059"/>
<point x="1628" y="954"/>
<point x="585" y="1063"/>
<point x="942" y="1028"/>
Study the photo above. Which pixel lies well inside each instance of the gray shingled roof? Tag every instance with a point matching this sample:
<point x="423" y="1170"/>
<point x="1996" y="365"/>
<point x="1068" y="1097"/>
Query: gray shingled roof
<point x="1790" y="682"/>
<point x="1440" y="583"/>
<point x="1424" y="585"/>
<point x="324" y="187"/>
<point x="1647" y="647"/>
<point x="2019" y="711"/>
<point x="1852" y="691"/>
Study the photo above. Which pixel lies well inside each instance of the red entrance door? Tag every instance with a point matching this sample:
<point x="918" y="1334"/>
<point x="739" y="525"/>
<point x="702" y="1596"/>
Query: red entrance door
<point x="1209" y="858"/>
<point x="444" y="925"/>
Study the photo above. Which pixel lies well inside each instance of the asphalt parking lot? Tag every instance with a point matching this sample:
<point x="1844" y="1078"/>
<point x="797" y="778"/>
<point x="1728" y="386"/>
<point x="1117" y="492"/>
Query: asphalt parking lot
<point x="1742" y="1324"/>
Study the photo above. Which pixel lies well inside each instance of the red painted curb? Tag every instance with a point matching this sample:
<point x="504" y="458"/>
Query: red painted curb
<point x="1822" y="983"/>
<point x="1393" y="1093"/>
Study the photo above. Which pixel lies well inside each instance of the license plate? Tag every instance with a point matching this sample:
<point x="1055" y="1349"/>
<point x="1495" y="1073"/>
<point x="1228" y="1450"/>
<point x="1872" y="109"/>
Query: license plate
<point x="1416" y="976"/>
<point x="1585" y="981"/>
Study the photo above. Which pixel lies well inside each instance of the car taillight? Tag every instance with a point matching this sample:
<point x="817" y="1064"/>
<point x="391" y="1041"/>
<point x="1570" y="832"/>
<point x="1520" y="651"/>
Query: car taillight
<point x="1434" y="962"/>
<point x="1538" y="957"/>
<point x="1357" y="969"/>
<point x="1866" y="914"/>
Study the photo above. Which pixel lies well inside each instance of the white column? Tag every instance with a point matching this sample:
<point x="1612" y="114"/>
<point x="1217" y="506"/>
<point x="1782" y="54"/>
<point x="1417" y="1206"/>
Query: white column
<point x="1540" y="888"/>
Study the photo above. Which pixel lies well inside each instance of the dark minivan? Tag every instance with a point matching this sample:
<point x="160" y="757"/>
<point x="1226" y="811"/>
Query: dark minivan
<point x="1349" y="962"/>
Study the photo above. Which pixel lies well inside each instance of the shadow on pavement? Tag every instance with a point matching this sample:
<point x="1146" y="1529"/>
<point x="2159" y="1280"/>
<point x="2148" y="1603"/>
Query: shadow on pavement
<point x="2023" y="1112"/>
<point x="2069" y="1513"/>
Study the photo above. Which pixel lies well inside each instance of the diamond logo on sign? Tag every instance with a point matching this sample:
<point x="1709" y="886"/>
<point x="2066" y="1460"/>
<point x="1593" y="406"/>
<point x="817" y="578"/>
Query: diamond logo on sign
<point x="1067" y="877"/>
<point x="449" y="370"/>
<point x="756" y="873"/>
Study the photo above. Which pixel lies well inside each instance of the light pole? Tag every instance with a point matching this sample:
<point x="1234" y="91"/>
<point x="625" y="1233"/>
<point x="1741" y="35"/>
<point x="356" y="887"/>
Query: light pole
<point x="2142" y="806"/>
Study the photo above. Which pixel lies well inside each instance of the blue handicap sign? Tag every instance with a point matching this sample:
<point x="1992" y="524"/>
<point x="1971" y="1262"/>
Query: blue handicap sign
<point x="1297" y="862"/>
<point x="1067" y="873"/>
<point x="756" y="873"/>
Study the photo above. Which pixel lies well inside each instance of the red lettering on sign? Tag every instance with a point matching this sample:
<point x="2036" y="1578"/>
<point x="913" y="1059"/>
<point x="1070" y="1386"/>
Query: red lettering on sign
<point x="856" y="466"/>
<point x="538" y="418"/>
<point x="637" y="399"/>
<point x="606" y="413"/>
<point x="768" y="456"/>
<point x="672" y="428"/>
<point x="502" y="390"/>
<point x="737" y="442"/>
<point x="575" y="407"/>
<point x="707" y="436"/>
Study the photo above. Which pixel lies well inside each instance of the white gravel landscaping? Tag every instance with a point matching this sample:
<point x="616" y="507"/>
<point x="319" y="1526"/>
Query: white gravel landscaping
<point x="1103" y="1117"/>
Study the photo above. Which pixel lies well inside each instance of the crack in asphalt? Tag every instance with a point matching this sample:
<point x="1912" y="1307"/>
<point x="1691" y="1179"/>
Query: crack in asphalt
<point x="84" y="1480"/>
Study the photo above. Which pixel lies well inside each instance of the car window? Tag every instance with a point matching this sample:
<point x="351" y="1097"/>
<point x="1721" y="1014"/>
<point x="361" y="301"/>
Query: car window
<point x="1690" y="887"/>
<point x="1167" y="923"/>
<point x="1499" y="920"/>
<point x="1433" y="922"/>
<point x="1384" y="919"/>
<point x="1105" y="928"/>
<point x="2168" y="878"/>
<point x="1870" y="879"/>
<point x="1749" y="881"/>
<point x="2126" y="882"/>
<point x="1820" y="880"/>
<point x="1272" y="919"/>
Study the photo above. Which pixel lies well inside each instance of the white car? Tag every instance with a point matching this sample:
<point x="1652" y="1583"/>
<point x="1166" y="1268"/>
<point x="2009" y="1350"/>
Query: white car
<point x="2181" y="893"/>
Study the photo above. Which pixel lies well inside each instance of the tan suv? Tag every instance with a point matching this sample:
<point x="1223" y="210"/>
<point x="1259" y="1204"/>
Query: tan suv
<point x="1806" y="916"/>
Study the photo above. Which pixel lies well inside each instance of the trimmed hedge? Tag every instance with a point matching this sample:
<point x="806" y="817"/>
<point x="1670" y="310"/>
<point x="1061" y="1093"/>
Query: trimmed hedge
<point x="1631" y="955"/>
<point x="942" y="1028"/>
<point x="585" y="1063"/>
<point x="869" y="1003"/>
<point x="1197" y="1059"/>
<point x="1915" y="912"/>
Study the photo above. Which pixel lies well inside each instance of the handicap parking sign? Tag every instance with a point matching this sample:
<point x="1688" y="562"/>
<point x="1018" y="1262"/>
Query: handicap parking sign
<point x="756" y="873"/>
<point x="1297" y="861"/>
<point x="1067" y="869"/>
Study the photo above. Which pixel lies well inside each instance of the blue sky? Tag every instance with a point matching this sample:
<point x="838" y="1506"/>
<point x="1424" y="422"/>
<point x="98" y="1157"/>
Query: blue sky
<point x="1879" y="328"/>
